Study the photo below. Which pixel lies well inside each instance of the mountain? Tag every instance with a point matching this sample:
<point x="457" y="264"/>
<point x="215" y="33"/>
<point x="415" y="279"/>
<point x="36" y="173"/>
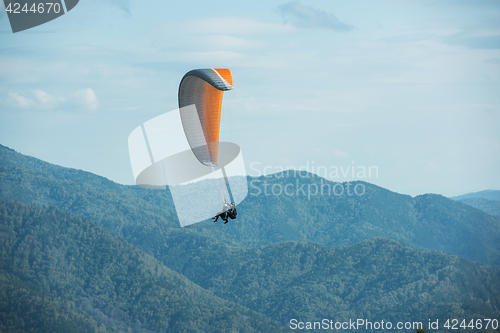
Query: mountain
<point x="427" y="221"/>
<point x="299" y="256"/>
<point x="376" y="278"/>
<point x="106" y="284"/>
<point x="25" y="310"/>
<point x="488" y="201"/>
<point x="58" y="259"/>
<point x="487" y="194"/>
<point x="491" y="207"/>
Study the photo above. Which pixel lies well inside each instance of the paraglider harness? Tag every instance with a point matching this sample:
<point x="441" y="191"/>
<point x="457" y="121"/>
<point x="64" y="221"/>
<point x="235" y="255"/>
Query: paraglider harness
<point x="228" y="210"/>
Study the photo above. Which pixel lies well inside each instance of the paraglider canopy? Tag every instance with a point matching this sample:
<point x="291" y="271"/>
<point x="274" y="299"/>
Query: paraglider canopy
<point x="203" y="89"/>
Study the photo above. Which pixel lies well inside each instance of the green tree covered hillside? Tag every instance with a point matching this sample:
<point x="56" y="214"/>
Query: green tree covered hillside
<point x="70" y="259"/>
<point x="427" y="221"/>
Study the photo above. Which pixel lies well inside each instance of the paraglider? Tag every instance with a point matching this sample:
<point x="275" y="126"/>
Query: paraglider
<point x="184" y="150"/>
<point x="229" y="210"/>
<point x="204" y="89"/>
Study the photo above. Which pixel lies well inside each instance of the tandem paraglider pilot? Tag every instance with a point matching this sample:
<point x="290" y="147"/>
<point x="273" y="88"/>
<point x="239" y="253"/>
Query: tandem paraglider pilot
<point x="229" y="210"/>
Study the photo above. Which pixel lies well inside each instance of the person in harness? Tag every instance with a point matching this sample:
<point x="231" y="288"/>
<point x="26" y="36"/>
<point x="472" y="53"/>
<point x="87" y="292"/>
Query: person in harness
<point x="228" y="211"/>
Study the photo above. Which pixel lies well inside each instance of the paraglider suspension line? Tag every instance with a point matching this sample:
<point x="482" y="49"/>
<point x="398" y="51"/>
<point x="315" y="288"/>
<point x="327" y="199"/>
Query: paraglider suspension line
<point x="224" y="187"/>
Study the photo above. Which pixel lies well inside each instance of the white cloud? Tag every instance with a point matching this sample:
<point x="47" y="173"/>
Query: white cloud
<point x="19" y="101"/>
<point x="47" y="101"/>
<point x="303" y="16"/>
<point x="86" y="98"/>
<point x="38" y="99"/>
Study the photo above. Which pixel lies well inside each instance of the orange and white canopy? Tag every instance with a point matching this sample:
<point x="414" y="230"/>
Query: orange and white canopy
<point x="203" y="88"/>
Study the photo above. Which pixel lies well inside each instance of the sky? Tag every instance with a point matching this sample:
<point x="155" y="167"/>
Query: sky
<point x="409" y="88"/>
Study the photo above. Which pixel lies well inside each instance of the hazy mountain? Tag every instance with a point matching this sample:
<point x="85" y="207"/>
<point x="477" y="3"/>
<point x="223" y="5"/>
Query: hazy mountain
<point x="488" y="201"/>
<point x="77" y="263"/>
<point x="427" y="221"/>
<point x="487" y="194"/>
<point x="286" y="256"/>
<point x="69" y="260"/>
<point x="491" y="207"/>
<point x="376" y="278"/>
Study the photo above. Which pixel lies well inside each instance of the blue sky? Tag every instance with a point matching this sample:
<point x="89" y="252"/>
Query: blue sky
<point x="409" y="87"/>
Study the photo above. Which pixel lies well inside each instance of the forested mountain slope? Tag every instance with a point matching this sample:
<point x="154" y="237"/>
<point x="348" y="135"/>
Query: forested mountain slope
<point x="427" y="221"/>
<point x="71" y="259"/>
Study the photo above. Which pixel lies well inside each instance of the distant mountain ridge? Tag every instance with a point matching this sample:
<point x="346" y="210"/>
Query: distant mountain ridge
<point x="79" y="262"/>
<point x="428" y="221"/>
<point x="491" y="207"/>
<point x="361" y="280"/>
<point x="488" y="201"/>
<point x="285" y="256"/>
<point x="9" y="157"/>
<point x="486" y="194"/>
